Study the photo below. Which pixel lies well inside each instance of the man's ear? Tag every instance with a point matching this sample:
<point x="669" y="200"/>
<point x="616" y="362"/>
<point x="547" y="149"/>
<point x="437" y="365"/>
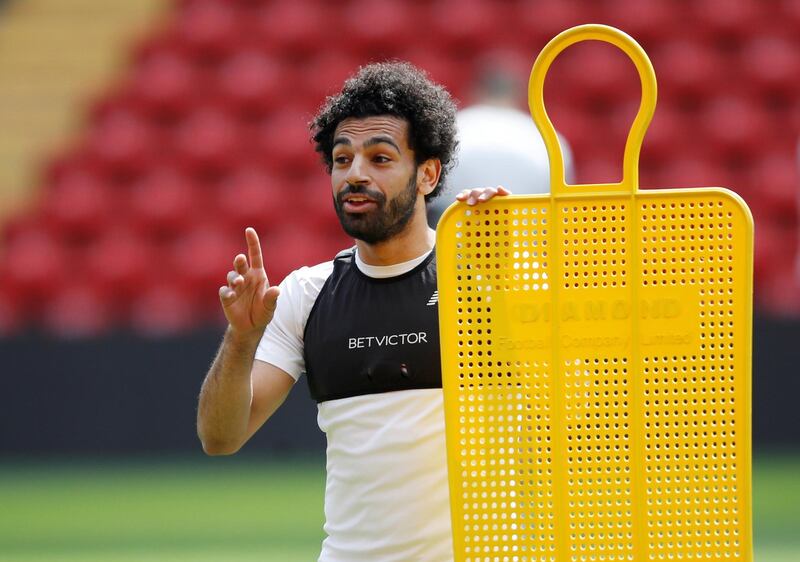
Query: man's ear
<point x="428" y="174"/>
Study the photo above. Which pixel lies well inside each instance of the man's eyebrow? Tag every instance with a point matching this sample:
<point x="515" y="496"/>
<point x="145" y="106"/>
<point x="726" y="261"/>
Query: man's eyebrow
<point x="381" y="140"/>
<point x="342" y="140"/>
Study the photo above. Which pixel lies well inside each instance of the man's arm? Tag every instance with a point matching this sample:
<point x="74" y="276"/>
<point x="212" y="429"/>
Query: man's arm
<point x="238" y="396"/>
<point x="238" y="393"/>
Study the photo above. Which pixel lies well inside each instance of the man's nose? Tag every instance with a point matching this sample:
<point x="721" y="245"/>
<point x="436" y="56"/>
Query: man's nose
<point x="356" y="174"/>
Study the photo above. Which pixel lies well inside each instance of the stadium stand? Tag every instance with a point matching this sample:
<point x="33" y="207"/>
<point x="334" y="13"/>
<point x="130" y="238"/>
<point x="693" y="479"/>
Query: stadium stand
<point x="205" y="132"/>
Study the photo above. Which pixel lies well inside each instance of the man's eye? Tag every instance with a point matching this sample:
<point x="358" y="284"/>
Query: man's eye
<point x="341" y="159"/>
<point x="381" y="159"/>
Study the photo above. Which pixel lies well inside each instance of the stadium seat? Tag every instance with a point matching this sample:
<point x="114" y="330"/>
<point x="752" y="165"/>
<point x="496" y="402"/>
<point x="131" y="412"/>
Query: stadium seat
<point x="601" y="169"/>
<point x="250" y="82"/>
<point x="165" y="309"/>
<point x="647" y="22"/>
<point x="318" y="210"/>
<point x="779" y="294"/>
<point x="76" y="311"/>
<point x="665" y="135"/>
<point x="294" y="246"/>
<point x="688" y="68"/>
<point x="698" y="170"/>
<point x="776" y="181"/>
<point x="377" y="29"/>
<point x="733" y="124"/>
<point x="202" y="257"/>
<point x="284" y="140"/>
<point x="446" y="69"/>
<point x="788" y="12"/>
<point x="773" y="64"/>
<point x="166" y="84"/>
<point x="725" y="19"/>
<point x="122" y="143"/>
<point x="545" y="19"/>
<point x="163" y="202"/>
<point x="120" y="264"/>
<point x="208" y="141"/>
<point x="466" y="26"/>
<point x="209" y="29"/>
<point x="251" y="196"/>
<point x="36" y="265"/>
<point x="79" y="204"/>
<point x="323" y="76"/>
<point x="12" y="319"/>
<point x="291" y="27"/>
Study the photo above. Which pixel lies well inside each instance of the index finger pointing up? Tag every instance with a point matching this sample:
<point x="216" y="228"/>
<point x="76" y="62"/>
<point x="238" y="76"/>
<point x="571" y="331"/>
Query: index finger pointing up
<point x="254" y="248"/>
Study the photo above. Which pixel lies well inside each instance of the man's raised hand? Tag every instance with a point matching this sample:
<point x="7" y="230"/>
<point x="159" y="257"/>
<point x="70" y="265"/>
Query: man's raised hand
<point x="248" y="300"/>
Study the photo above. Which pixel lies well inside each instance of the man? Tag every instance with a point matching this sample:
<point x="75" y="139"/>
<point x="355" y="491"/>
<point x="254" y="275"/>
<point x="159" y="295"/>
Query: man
<point x="363" y="327"/>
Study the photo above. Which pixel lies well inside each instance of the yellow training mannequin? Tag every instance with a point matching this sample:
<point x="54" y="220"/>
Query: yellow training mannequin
<point x="596" y="351"/>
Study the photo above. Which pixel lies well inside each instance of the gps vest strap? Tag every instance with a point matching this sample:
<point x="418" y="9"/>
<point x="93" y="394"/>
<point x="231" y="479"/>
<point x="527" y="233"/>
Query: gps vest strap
<point x="366" y="335"/>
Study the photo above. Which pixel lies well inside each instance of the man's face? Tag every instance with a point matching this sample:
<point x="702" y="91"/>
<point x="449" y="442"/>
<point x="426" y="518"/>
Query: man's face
<point x="374" y="177"/>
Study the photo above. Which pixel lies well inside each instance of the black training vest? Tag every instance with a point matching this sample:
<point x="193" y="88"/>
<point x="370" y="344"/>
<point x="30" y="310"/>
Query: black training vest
<point x="367" y="335"/>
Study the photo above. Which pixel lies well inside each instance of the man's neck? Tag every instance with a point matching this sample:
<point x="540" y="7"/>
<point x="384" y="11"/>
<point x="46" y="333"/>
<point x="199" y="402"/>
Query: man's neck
<point x="414" y="240"/>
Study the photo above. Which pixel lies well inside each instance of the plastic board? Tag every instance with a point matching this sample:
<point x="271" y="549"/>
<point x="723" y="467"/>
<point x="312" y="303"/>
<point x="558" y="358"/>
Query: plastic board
<point x="596" y="349"/>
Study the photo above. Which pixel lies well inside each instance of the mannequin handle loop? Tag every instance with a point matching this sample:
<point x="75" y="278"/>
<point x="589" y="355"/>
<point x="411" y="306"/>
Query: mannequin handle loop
<point x="633" y="145"/>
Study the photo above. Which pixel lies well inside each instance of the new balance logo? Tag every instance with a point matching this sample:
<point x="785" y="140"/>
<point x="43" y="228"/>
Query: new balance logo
<point x="434" y="298"/>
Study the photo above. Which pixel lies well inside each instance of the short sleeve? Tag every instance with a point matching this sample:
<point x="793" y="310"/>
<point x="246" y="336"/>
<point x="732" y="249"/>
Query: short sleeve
<point x="282" y="343"/>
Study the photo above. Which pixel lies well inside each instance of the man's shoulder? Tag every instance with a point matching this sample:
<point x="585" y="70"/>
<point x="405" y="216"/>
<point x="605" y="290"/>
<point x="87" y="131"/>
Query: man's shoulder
<point x="314" y="274"/>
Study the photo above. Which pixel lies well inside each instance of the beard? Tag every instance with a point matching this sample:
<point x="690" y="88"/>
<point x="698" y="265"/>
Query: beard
<point x="387" y="220"/>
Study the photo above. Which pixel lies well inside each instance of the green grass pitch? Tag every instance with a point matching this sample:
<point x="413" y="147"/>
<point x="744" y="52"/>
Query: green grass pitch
<point x="205" y="510"/>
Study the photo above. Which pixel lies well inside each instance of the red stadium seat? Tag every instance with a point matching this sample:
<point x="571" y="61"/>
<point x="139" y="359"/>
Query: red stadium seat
<point x="291" y="27"/>
<point x="318" y="209"/>
<point x="694" y="171"/>
<point x="165" y="309"/>
<point x="202" y="257"/>
<point x="295" y="246"/>
<point x="76" y="311"/>
<point x="323" y="76"/>
<point x="210" y="29"/>
<point x="121" y="263"/>
<point x="377" y="28"/>
<point x="466" y="25"/>
<point x="251" y="82"/>
<point x="722" y="18"/>
<point x="284" y="140"/>
<point x="666" y="136"/>
<point x="163" y="202"/>
<point x="788" y="13"/>
<point x="776" y="182"/>
<point x="453" y="73"/>
<point x="647" y="22"/>
<point x="779" y="295"/>
<point x="251" y="196"/>
<point x="166" y="84"/>
<point x="773" y="65"/>
<point x="597" y="73"/>
<point x="546" y="18"/>
<point x="36" y="265"/>
<point x="122" y="143"/>
<point x="734" y="125"/>
<point x="79" y="204"/>
<point x="689" y="68"/>
<point x="12" y="314"/>
<point x="208" y="141"/>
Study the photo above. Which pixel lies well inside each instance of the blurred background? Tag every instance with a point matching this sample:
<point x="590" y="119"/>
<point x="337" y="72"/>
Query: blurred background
<point x="139" y="138"/>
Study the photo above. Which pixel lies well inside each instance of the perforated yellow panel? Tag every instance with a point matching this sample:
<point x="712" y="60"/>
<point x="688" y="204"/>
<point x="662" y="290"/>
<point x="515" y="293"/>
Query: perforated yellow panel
<point x="596" y="368"/>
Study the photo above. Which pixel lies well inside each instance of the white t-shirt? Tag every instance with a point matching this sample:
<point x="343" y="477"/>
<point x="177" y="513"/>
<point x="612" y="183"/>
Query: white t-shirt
<point x="386" y="493"/>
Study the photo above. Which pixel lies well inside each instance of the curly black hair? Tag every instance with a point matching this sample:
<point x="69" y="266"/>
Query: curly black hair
<point x="401" y="90"/>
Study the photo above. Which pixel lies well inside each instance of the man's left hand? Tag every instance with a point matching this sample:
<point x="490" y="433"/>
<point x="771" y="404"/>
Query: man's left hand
<point x="480" y="194"/>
